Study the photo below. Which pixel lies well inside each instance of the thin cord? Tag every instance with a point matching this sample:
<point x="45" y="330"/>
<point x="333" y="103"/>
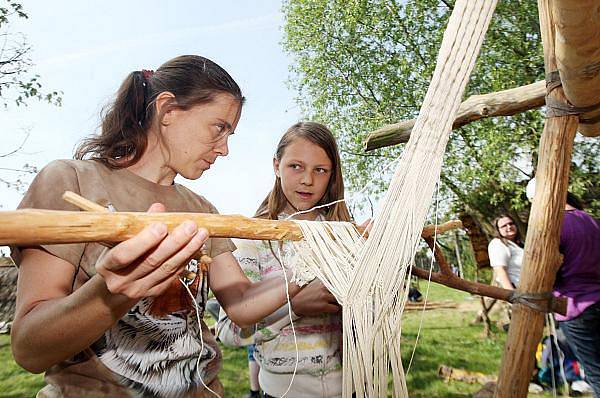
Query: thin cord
<point x="201" y="337"/>
<point x="551" y="342"/>
<point x="428" y="279"/>
<point x="287" y="295"/>
<point x="351" y="199"/>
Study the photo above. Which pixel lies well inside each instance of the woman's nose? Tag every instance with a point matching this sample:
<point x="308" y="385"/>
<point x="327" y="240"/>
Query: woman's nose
<point x="222" y="146"/>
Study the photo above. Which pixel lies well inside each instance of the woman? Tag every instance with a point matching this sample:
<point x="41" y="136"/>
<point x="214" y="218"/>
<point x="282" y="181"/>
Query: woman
<point x="506" y="252"/>
<point x="120" y="322"/>
<point x="307" y="174"/>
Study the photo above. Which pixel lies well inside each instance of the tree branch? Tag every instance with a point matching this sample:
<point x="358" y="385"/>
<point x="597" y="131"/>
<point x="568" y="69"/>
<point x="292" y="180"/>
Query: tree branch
<point x="501" y="103"/>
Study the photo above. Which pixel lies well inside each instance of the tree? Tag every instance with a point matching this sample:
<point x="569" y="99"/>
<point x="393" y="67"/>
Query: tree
<point x="361" y="64"/>
<point x="16" y="85"/>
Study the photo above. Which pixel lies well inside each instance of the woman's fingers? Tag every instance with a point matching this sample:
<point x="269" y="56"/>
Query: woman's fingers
<point x="141" y="264"/>
<point x="175" y="264"/>
<point x="127" y="252"/>
<point x="157" y="208"/>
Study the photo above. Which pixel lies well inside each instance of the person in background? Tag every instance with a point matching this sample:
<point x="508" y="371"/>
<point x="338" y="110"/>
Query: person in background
<point x="506" y="252"/>
<point x="578" y="279"/>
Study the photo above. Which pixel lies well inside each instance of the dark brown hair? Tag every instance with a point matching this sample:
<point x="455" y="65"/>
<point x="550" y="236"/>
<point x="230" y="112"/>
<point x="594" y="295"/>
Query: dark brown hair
<point x="192" y="79"/>
<point x="574" y="201"/>
<point x="498" y="235"/>
<point x="319" y="135"/>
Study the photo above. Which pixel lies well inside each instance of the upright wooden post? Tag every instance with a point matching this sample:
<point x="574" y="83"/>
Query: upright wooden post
<point x="541" y="259"/>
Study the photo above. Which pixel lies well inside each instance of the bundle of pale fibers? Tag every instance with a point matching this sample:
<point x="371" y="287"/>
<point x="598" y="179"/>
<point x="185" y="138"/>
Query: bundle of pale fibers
<point x="370" y="279"/>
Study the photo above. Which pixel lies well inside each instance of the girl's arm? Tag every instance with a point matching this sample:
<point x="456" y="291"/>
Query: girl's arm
<point x="246" y="303"/>
<point x="52" y="323"/>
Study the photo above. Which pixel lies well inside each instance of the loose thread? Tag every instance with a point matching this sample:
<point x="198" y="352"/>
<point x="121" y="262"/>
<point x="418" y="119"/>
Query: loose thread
<point x="201" y="338"/>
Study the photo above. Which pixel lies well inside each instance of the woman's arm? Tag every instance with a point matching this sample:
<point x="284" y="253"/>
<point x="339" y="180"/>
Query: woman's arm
<point x="52" y="324"/>
<point x="501" y="275"/>
<point x="246" y="303"/>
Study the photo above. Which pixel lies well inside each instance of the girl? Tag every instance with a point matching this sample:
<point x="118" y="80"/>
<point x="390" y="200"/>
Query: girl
<point x="120" y="322"/>
<point x="307" y="174"/>
<point x="506" y="252"/>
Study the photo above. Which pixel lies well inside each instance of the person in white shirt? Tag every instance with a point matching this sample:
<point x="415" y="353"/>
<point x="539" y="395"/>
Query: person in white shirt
<point x="506" y="252"/>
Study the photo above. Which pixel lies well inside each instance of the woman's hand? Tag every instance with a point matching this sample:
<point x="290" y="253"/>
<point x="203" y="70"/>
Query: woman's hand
<point x="147" y="264"/>
<point x="314" y="299"/>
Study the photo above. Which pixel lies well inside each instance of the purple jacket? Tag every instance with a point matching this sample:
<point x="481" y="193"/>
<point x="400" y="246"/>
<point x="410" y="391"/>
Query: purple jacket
<point x="578" y="278"/>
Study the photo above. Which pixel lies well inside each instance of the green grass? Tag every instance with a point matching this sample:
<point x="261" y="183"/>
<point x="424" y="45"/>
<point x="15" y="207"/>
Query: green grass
<point x="445" y="338"/>
<point x="14" y="381"/>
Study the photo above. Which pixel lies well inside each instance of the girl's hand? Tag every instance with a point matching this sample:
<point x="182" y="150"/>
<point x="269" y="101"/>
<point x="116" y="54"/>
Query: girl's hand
<point x="366" y="226"/>
<point x="314" y="299"/>
<point x="147" y="264"/>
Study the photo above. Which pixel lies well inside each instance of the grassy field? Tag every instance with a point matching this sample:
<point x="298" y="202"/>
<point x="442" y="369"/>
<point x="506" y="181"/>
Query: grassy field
<point x="446" y="338"/>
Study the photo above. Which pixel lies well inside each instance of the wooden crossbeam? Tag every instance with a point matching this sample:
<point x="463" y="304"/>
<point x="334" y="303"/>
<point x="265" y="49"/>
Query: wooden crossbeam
<point x="501" y="103"/>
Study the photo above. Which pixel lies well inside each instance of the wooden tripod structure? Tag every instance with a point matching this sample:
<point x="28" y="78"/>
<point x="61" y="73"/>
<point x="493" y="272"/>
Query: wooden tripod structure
<point x="571" y="40"/>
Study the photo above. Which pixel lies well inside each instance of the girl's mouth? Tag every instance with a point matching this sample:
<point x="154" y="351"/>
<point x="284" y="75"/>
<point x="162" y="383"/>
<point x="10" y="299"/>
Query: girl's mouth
<point x="304" y="195"/>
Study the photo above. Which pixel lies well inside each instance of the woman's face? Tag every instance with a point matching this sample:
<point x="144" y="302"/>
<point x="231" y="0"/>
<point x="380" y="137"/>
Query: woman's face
<point x="507" y="228"/>
<point x="193" y="139"/>
<point x="305" y="170"/>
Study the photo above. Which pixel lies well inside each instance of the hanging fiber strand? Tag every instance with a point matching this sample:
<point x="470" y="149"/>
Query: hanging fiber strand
<point x="370" y="278"/>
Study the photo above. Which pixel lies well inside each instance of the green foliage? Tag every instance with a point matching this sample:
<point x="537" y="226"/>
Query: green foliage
<point x="359" y="65"/>
<point x="17" y="85"/>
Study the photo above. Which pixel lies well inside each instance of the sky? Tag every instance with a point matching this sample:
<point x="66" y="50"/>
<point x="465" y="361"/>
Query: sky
<point x="86" y="48"/>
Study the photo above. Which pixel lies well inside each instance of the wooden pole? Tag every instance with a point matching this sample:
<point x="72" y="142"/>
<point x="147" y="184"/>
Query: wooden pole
<point x="36" y="227"/>
<point x="501" y="103"/>
<point x="541" y="259"/>
<point x="458" y="254"/>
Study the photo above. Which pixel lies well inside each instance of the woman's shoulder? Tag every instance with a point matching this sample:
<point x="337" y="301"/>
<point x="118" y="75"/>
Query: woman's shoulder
<point x="496" y="243"/>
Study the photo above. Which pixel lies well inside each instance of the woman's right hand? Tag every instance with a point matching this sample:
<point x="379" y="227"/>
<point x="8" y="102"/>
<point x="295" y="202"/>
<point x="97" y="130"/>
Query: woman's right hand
<point x="147" y="264"/>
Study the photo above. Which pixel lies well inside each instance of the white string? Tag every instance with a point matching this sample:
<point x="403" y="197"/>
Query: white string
<point x="428" y="280"/>
<point x="374" y="294"/>
<point x="561" y="355"/>
<point x="353" y="197"/>
<point x="201" y="337"/>
<point x="289" y="303"/>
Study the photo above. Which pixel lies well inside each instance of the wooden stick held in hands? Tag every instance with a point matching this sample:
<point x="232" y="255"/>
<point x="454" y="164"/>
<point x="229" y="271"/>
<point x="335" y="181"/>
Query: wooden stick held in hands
<point x="36" y="227"/>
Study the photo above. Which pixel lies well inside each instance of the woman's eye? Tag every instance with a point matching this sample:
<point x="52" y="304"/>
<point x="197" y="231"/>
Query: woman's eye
<point x="321" y="170"/>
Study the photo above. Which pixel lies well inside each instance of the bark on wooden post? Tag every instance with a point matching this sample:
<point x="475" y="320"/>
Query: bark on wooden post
<point x="541" y="259"/>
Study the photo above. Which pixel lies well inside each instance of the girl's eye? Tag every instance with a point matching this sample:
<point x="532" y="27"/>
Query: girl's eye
<point x="321" y="170"/>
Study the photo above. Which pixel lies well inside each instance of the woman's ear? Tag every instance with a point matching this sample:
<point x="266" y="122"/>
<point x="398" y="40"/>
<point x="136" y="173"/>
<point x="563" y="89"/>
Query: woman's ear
<point x="162" y="102"/>
<point x="276" y="167"/>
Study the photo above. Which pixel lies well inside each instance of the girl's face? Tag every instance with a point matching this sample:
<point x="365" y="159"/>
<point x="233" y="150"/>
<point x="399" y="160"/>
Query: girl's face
<point x="305" y="170"/>
<point x="194" y="138"/>
<point x="507" y="228"/>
